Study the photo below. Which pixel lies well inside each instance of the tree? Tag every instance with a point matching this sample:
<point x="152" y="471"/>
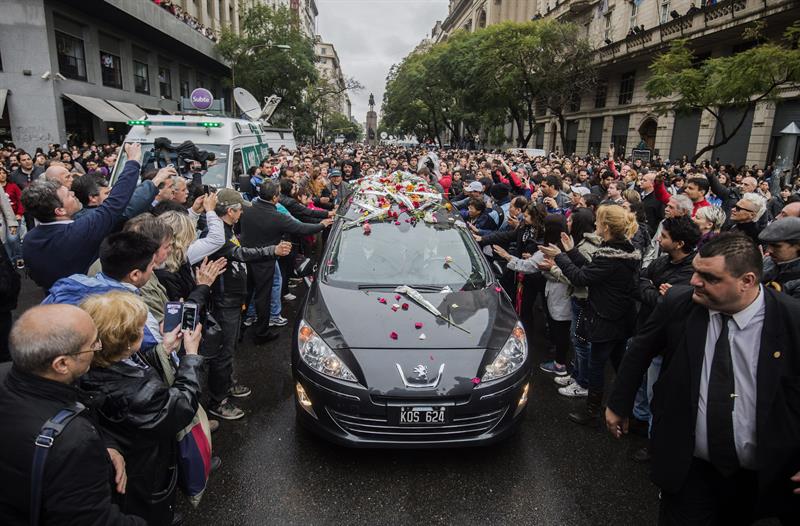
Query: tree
<point x="262" y="68"/>
<point x="565" y="63"/>
<point x="723" y="84"/>
<point x="338" y="124"/>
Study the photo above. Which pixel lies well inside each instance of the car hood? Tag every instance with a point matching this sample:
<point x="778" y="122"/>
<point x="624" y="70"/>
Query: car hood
<point x="356" y="319"/>
<point x="359" y="328"/>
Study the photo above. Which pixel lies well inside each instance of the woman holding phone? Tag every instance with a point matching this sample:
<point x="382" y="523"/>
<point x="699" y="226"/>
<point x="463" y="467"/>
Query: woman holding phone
<point x="139" y="410"/>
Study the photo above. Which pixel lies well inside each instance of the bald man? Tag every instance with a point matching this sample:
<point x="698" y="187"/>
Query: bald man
<point x="59" y="174"/>
<point x="790" y="210"/>
<point x="51" y="347"/>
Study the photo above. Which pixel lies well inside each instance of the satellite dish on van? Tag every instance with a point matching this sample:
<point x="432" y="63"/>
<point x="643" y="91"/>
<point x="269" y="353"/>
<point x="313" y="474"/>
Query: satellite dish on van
<point x="247" y="103"/>
<point x="251" y="107"/>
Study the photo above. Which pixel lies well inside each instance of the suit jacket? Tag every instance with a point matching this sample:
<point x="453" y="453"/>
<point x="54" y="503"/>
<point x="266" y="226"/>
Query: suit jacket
<point x="677" y="330"/>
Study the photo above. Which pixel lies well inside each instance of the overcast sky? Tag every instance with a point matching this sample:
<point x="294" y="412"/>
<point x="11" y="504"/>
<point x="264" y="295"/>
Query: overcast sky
<point x="371" y="35"/>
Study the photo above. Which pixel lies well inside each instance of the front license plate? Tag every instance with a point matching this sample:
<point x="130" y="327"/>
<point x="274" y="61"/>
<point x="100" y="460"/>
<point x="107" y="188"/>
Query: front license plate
<point x="421" y="415"/>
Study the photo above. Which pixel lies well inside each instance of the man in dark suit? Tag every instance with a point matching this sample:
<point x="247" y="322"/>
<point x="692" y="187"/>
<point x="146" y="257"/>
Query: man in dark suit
<point x="725" y="441"/>
<point x="262" y="226"/>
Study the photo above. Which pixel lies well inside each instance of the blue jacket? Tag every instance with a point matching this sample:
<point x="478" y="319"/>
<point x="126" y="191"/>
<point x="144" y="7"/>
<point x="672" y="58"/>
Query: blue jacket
<point x="76" y="288"/>
<point x="62" y="248"/>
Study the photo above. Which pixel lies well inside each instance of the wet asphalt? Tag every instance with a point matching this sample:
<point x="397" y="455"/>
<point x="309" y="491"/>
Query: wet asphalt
<point x="552" y="472"/>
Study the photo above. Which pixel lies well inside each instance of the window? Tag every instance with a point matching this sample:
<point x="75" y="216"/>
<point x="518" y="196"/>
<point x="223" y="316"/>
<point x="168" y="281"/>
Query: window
<point x="183" y="80"/>
<point x="664" y="13"/>
<point x="601" y="91"/>
<point x="539" y="107"/>
<point x="111" y="70"/>
<point x="141" y="81"/>
<point x="575" y="101"/>
<point x="634" y="12"/>
<point x="165" y="82"/>
<point x="71" y="60"/>
<point x="626" y="87"/>
<point x="607" y="33"/>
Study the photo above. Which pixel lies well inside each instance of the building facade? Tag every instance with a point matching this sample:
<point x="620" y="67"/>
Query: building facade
<point x="330" y="68"/>
<point x="78" y="71"/>
<point x="306" y="10"/>
<point x="627" y="36"/>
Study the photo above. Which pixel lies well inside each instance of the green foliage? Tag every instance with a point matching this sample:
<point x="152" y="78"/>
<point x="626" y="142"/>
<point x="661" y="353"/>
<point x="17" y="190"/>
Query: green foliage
<point x="264" y="69"/>
<point x="483" y="79"/>
<point x="338" y="124"/>
<point x="721" y="83"/>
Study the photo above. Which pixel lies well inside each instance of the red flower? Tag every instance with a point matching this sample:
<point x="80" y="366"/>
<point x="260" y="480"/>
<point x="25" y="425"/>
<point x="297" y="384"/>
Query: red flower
<point x="498" y="289"/>
<point x="382" y="300"/>
<point x="393" y="335"/>
<point x="397" y="223"/>
<point x="476" y="380"/>
<point x="418" y="325"/>
<point x="405" y="306"/>
<point x="397" y="296"/>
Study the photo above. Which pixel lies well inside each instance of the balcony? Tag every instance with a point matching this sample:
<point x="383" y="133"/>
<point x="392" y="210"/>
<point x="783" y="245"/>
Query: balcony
<point x="578" y="7"/>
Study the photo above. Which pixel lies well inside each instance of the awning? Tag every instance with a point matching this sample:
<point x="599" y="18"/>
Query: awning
<point x="133" y="111"/>
<point x="3" y="95"/>
<point x="100" y="108"/>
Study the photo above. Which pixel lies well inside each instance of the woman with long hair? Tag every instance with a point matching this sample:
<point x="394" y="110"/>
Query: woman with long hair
<point x="139" y="409"/>
<point x="611" y="276"/>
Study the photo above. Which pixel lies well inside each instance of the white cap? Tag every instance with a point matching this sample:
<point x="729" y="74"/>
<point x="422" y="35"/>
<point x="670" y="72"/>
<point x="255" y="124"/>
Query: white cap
<point x="580" y="190"/>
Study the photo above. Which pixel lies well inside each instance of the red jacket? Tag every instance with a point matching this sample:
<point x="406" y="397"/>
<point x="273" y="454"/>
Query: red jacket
<point x="15" y="196"/>
<point x="698" y="205"/>
<point x="661" y="192"/>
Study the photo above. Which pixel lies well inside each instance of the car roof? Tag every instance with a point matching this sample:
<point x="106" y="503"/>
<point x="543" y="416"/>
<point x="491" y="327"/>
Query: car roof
<point x="400" y="196"/>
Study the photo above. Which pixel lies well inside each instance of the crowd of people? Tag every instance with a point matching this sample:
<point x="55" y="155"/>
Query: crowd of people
<point x="615" y="261"/>
<point x="186" y="18"/>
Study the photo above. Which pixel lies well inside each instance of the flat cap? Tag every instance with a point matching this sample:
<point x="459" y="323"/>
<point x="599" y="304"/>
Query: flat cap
<point x="786" y="229"/>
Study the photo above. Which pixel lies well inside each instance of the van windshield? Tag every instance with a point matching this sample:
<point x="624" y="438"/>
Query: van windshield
<point x="216" y="175"/>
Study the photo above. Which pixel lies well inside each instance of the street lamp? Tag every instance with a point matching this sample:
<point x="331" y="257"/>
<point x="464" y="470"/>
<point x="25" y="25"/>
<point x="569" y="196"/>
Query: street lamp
<point x="248" y="51"/>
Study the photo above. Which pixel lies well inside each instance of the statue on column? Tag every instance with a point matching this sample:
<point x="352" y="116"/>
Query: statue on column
<point x="371" y="102"/>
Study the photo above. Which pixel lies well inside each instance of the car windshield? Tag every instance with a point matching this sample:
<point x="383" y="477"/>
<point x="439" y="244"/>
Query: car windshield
<point x="215" y="176"/>
<point x="415" y="255"/>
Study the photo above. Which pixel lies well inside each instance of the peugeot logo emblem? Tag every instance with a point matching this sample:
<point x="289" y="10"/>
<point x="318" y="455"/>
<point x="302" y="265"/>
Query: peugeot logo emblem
<point x="419" y="379"/>
<point x="421" y="371"/>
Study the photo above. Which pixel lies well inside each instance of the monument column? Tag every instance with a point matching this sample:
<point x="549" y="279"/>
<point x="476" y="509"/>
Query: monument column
<point x="372" y="122"/>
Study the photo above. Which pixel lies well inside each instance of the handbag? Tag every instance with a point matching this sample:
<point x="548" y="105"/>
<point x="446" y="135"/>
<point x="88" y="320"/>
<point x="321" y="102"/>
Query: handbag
<point x="194" y="457"/>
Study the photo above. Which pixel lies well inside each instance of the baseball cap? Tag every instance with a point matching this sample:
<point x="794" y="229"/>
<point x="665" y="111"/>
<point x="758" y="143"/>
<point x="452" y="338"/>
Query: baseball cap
<point x="335" y="173"/>
<point x="230" y="197"/>
<point x="474" y="186"/>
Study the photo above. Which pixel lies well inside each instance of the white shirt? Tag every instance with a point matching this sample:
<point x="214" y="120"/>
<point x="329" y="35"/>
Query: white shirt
<point x="744" y="335"/>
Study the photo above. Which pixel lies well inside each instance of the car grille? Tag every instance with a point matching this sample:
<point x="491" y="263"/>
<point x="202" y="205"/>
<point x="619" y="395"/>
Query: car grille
<point x="378" y="428"/>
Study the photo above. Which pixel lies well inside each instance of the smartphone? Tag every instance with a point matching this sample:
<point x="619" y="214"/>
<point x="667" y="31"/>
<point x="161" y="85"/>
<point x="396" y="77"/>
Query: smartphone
<point x="173" y="313"/>
<point x="189" y="317"/>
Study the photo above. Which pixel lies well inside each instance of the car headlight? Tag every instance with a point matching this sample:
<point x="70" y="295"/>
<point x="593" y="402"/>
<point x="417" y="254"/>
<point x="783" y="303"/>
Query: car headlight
<point x="317" y="355"/>
<point x="511" y="356"/>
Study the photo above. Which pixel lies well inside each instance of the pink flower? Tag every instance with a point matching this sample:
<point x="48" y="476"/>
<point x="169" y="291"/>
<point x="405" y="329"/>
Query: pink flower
<point x="498" y="289"/>
<point x="476" y="380"/>
<point x="395" y="307"/>
<point x="405" y="306"/>
<point x="418" y="325"/>
<point x="393" y="335"/>
<point x="397" y="223"/>
<point x="397" y="296"/>
<point x="382" y="300"/>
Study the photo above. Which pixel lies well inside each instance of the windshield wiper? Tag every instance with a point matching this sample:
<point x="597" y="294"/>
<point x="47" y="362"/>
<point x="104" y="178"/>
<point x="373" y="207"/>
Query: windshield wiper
<point x="392" y="286"/>
<point x="372" y="286"/>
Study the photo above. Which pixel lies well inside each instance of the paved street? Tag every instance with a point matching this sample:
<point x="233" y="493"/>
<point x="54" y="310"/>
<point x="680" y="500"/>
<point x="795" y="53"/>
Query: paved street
<point x="551" y="472"/>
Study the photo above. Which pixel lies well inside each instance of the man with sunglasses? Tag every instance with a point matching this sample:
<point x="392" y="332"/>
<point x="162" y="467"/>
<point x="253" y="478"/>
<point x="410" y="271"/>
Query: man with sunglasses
<point x="745" y="215"/>
<point x="51" y="347"/>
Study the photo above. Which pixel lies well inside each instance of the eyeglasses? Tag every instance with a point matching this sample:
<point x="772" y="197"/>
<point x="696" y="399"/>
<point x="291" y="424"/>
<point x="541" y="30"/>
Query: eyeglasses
<point x="97" y="346"/>
<point x="741" y="208"/>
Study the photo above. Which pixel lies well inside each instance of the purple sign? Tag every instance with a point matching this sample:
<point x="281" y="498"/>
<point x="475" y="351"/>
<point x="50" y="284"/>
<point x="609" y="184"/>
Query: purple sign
<point x="202" y="99"/>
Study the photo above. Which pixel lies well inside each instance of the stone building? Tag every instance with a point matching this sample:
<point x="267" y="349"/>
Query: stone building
<point x="78" y="71"/>
<point x="330" y="67"/>
<point x="627" y="35"/>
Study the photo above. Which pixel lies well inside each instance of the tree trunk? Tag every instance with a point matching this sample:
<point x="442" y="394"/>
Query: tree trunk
<point x="562" y="132"/>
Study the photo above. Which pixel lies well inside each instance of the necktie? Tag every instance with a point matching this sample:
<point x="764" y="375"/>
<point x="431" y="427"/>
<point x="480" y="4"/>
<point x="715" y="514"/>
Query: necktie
<point x="719" y="406"/>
